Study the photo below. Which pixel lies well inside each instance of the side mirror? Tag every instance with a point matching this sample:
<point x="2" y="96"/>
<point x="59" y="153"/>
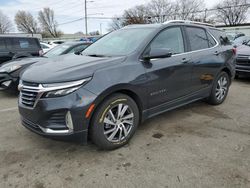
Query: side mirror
<point x="77" y="53"/>
<point x="158" y="53"/>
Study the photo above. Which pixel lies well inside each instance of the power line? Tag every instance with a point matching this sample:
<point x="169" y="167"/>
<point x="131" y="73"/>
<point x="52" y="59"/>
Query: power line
<point x="199" y="11"/>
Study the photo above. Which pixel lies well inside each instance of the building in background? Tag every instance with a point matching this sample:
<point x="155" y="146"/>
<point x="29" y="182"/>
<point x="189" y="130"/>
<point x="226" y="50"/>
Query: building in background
<point x="240" y="28"/>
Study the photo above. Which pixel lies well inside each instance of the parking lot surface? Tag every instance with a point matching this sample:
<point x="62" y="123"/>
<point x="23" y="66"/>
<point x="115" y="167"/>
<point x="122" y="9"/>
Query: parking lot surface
<point x="195" y="146"/>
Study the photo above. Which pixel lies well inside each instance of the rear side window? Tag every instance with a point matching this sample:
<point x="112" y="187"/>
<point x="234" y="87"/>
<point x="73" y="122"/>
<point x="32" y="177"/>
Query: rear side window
<point x="2" y="44"/>
<point x="220" y="36"/>
<point x="171" y="39"/>
<point x="25" y="43"/>
<point x="211" y="40"/>
<point x="198" y="38"/>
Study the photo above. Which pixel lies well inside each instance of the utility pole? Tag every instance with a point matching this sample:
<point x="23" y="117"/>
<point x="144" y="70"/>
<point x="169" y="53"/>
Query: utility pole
<point x="100" y="28"/>
<point x="86" y="17"/>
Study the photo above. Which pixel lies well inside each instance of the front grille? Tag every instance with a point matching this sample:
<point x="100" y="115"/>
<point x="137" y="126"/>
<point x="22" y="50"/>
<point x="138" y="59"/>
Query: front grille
<point x="29" y="95"/>
<point x="243" y="60"/>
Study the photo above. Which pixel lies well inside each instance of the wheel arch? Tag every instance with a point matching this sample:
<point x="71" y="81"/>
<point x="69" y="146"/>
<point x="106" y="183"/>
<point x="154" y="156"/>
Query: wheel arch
<point x="122" y="89"/>
<point x="228" y="71"/>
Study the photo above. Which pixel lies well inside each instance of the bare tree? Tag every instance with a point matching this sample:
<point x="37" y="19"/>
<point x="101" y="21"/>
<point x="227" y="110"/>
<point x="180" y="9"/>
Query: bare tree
<point x="160" y="10"/>
<point x="116" y="23"/>
<point x="232" y="12"/>
<point x="188" y="9"/>
<point x="25" y="22"/>
<point x="137" y="15"/>
<point x="48" y="23"/>
<point x="5" y="24"/>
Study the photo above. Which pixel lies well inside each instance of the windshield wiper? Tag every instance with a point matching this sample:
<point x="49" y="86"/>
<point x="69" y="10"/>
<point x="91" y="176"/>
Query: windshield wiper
<point x="96" y="55"/>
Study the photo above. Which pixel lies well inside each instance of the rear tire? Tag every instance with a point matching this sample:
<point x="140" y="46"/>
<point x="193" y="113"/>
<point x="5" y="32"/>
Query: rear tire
<point x="114" y="122"/>
<point x="220" y="89"/>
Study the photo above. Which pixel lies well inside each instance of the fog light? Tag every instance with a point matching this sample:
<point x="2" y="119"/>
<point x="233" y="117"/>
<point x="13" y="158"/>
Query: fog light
<point x="7" y="83"/>
<point x="69" y="122"/>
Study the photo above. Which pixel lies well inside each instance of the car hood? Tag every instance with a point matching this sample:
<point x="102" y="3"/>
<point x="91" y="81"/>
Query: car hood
<point x="67" y="68"/>
<point x="243" y="50"/>
<point x="22" y="61"/>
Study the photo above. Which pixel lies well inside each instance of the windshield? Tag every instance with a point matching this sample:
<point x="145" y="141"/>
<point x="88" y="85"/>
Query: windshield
<point x="121" y="42"/>
<point x="58" y="50"/>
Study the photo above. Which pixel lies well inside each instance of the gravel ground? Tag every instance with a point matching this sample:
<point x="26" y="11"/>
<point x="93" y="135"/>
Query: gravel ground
<point x="195" y="146"/>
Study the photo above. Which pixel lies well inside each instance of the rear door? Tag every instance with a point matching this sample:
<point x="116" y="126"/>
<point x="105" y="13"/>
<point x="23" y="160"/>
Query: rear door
<point x="206" y="55"/>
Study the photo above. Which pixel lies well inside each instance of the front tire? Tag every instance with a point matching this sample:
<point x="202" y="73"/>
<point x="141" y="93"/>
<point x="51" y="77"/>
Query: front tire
<point x="114" y="122"/>
<point x="220" y="89"/>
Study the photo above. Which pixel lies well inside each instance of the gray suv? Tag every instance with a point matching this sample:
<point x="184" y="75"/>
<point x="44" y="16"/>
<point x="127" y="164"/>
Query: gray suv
<point x="126" y="77"/>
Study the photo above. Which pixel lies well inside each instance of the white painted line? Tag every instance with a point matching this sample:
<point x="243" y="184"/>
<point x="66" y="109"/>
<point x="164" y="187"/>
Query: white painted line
<point x="9" y="109"/>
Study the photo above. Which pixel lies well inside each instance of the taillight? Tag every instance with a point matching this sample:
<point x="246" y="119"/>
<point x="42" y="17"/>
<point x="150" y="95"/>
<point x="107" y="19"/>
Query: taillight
<point x="234" y="51"/>
<point x="40" y="52"/>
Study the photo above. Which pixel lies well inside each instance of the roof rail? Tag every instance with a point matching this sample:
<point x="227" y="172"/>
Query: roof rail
<point x="189" y="22"/>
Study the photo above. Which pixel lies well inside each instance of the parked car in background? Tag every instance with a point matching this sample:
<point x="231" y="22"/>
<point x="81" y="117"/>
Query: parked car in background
<point x="56" y="42"/>
<point x="125" y="77"/>
<point x="18" y="47"/>
<point x="243" y="60"/>
<point x="10" y="71"/>
<point x="233" y="36"/>
<point x="46" y="47"/>
<point x="66" y="48"/>
<point x="241" y="40"/>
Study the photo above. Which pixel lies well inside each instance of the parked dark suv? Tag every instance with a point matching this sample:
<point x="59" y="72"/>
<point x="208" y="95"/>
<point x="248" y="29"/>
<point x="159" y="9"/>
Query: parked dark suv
<point x="17" y="47"/>
<point x="10" y="71"/>
<point x="125" y="78"/>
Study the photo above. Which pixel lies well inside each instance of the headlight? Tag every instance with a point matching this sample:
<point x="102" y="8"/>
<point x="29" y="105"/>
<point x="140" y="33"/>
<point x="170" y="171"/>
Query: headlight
<point x="10" y="69"/>
<point x="59" y="93"/>
<point x="62" y="89"/>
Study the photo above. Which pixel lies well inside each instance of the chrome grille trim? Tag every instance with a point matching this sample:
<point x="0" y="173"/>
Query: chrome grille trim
<point x="30" y="94"/>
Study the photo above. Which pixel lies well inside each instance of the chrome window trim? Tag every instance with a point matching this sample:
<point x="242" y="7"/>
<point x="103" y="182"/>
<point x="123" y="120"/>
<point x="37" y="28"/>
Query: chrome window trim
<point x="217" y="44"/>
<point x="210" y="48"/>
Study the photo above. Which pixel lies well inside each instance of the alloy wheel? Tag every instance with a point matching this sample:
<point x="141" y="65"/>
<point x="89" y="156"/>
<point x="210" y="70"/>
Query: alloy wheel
<point x="118" y="123"/>
<point x="221" y="89"/>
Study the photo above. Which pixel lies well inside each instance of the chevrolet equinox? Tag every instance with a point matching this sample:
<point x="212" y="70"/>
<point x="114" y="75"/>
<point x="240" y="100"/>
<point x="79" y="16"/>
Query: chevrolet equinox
<point x="126" y="77"/>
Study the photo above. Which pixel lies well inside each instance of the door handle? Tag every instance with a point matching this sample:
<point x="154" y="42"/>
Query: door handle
<point x="185" y="60"/>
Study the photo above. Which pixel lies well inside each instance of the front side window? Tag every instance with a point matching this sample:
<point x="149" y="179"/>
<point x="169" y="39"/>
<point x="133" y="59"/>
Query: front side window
<point x="170" y="39"/>
<point x="198" y="38"/>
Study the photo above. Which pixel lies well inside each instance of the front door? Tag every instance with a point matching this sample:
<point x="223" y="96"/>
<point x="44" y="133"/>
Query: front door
<point x="169" y="78"/>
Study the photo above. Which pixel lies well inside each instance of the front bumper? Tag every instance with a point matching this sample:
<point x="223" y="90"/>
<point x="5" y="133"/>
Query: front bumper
<point x="8" y="82"/>
<point x="243" y="69"/>
<point x="48" y="117"/>
<point x="243" y="65"/>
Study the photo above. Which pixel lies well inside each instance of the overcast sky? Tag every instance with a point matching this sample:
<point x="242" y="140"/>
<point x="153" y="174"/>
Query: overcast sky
<point x="67" y="10"/>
